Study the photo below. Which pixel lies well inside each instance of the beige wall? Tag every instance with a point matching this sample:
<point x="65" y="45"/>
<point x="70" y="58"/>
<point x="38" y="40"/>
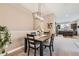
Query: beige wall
<point x="15" y="17"/>
<point x="18" y="20"/>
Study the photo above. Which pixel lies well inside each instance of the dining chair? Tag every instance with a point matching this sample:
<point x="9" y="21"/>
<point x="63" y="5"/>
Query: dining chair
<point x="32" y="43"/>
<point x="49" y="43"/>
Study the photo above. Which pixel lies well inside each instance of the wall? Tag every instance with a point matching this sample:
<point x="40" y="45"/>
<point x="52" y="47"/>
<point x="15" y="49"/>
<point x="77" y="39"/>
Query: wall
<point x="18" y="20"/>
<point x="50" y="18"/>
<point x="14" y="17"/>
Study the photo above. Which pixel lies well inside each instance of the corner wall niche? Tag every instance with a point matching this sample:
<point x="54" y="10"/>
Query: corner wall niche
<point x="38" y="21"/>
<point x="49" y="23"/>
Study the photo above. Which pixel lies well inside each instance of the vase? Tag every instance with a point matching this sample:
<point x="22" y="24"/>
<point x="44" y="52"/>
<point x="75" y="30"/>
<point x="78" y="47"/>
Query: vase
<point x="2" y="52"/>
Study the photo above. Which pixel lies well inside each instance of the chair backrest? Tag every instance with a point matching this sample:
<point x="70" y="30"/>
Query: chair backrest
<point x="31" y="39"/>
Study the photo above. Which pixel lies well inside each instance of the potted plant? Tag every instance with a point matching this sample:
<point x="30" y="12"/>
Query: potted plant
<point x="4" y="38"/>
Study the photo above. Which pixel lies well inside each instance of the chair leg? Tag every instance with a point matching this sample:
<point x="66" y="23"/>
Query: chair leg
<point x="28" y="51"/>
<point x="45" y="46"/>
<point x="50" y="51"/>
<point x="35" y="52"/>
<point x="52" y="48"/>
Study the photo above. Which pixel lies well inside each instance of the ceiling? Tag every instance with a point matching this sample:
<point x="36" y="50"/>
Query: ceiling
<point x="64" y="12"/>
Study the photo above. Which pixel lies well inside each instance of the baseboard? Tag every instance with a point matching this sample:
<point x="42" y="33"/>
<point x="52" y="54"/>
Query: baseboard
<point x="18" y="48"/>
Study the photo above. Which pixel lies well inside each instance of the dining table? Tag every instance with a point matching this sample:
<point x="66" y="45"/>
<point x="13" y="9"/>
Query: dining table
<point x="40" y="39"/>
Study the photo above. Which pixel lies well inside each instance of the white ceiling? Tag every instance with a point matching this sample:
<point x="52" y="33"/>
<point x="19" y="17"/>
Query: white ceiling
<point x="63" y="11"/>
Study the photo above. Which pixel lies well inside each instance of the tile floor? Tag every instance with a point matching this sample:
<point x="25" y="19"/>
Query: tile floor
<point x="21" y="53"/>
<point x="46" y="51"/>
